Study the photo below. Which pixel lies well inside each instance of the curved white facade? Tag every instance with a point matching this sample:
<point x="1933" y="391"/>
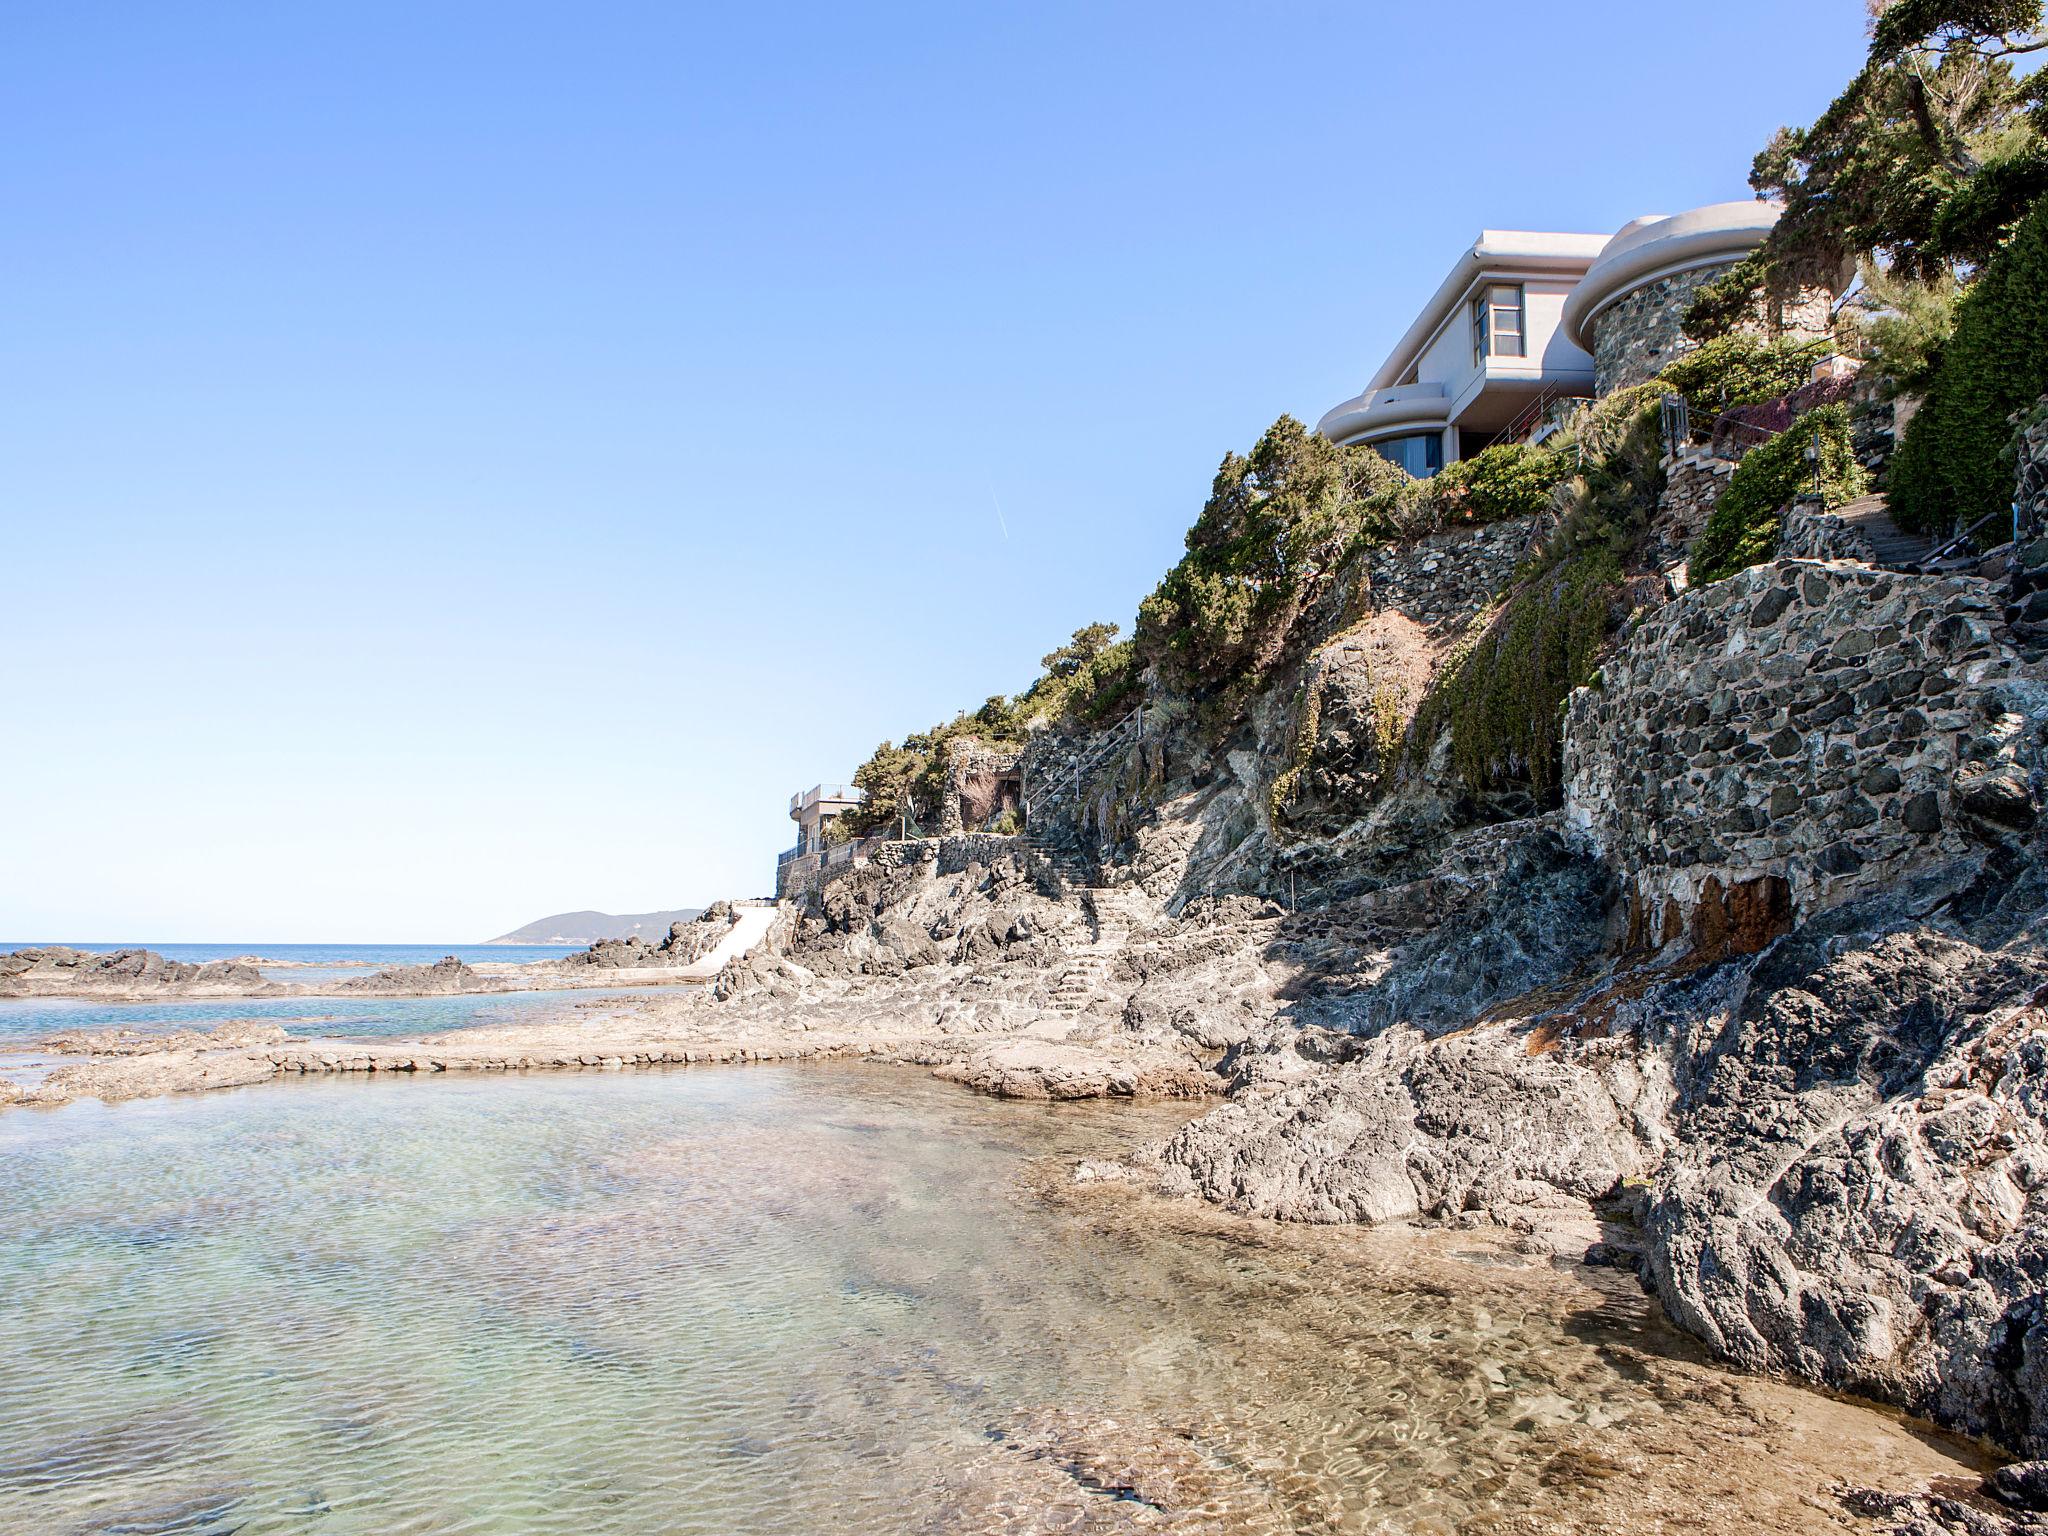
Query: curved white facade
<point x="1648" y="249"/>
<point x="1434" y="380"/>
<point x="1448" y="380"/>
<point x="1387" y="413"/>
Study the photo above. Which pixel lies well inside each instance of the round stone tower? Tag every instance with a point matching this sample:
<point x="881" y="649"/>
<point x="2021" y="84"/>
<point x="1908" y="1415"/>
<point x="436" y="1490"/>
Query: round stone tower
<point x="1627" y="309"/>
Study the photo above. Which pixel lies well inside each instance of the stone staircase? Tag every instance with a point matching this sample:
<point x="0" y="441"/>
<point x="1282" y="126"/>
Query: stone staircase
<point x="1114" y="913"/>
<point x="1063" y="856"/>
<point x="1895" y="548"/>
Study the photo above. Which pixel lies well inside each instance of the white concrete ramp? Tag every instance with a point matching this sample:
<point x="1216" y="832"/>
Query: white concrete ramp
<point x="750" y="926"/>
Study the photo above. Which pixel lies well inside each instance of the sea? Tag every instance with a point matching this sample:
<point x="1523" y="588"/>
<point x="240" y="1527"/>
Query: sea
<point x="24" y="1019"/>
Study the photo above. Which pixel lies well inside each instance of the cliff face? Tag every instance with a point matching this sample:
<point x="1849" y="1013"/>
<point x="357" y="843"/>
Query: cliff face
<point x="1760" y="984"/>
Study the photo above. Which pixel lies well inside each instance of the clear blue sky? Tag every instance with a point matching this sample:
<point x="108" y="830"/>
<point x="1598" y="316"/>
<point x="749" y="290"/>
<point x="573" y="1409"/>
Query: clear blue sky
<point x="465" y="461"/>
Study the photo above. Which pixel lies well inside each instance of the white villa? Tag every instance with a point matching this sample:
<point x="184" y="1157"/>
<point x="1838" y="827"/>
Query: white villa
<point x="1529" y="317"/>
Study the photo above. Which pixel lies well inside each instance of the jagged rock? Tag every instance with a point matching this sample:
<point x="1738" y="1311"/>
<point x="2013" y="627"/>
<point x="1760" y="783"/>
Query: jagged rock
<point x="447" y="974"/>
<point x="59" y="971"/>
<point x="2022" y="1484"/>
<point x="685" y="944"/>
<point x="1409" y="1127"/>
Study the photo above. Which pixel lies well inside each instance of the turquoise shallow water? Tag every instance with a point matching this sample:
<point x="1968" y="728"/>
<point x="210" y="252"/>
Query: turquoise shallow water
<point x="25" y="1019"/>
<point x="318" y="964"/>
<point x="784" y="1300"/>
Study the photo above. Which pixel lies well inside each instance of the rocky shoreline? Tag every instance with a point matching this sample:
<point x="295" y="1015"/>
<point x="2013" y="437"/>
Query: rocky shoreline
<point x="692" y="951"/>
<point x="1785" y="1038"/>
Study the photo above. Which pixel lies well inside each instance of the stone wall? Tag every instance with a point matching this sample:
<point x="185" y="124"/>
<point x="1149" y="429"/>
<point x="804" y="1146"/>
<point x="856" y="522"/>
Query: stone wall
<point x="981" y="784"/>
<point x="947" y="855"/>
<point x="2029" y="589"/>
<point x="985" y="848"/>
<point x="1811" y="533"/>
<point x="1801" y="729"/>
<point x="1442" y="580"/>
<point x="1638" y="336"/>
<point x="1693" y="481"/>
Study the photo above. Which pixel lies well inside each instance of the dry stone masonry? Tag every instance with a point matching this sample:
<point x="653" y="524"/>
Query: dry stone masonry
<point x="1821" y="725"/>
<point x="1442" y="580"/>
<point x="1694" y="479"/>
<point x="1641" y="334"/>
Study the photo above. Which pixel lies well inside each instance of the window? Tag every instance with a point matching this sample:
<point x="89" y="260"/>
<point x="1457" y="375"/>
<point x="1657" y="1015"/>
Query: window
<point x="1497" y="329"/>
<point x="1420" y="453"/>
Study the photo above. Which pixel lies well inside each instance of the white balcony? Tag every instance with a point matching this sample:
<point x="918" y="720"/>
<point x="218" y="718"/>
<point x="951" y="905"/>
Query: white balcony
<point x="837" y="797"/>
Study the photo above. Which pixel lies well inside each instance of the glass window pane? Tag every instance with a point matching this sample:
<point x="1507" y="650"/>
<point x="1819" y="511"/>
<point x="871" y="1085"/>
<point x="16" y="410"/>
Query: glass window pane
<point x="1420" y="454"/>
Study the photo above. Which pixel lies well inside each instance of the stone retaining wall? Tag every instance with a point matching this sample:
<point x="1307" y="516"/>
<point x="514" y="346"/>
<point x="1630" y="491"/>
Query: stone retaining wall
<point x="1693" y="481"/>
<point x="1638" y="336"/>
<point x="1800" y="732"/>
<point x="1810" y="533"/>
<point x="1442" y="580"/>
<point x="947" y="855"/>
<point x="981" y="783"/>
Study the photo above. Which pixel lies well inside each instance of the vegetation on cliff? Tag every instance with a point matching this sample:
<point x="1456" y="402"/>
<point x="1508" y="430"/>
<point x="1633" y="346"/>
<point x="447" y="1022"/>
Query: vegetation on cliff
<point x="1508" y="480"/>
<point x="1084" y="683"/>
<point x="1277" y="526"/>
<point x="1924" y="162"/>
<point x="1953" y="467"/>
<point x="1745" y="522"/>
<point x="1501" y="693"/>
<point x="1740" y="369"/>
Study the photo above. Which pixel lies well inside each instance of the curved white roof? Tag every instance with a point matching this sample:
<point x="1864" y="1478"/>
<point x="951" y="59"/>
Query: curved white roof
<point x="1644" y="250"/>
<point x="1384" y="412"/>
<point x="1496" y="250"/>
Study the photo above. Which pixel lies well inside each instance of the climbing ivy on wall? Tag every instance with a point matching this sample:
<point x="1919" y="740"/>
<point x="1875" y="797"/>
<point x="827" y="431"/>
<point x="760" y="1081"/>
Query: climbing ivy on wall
<point x="1953" y="469"/>
<point x="1502" y="692"/>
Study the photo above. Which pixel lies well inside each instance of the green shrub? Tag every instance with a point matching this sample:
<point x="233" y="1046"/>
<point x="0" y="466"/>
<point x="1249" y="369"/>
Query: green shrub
<point x="1743" y="528"/>
<point x="1951" y="470"/>
<point x="1278" y="525"/>
<point x="1904" y="325"/>
<point x="1503" y="692"/>
<point x="1508" y="480"/>
<point x="1741" y="369"/>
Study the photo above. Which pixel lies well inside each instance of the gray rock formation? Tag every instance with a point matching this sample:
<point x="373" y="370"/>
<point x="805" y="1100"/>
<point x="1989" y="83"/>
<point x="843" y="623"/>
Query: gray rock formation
<point x="686" y="943"/>
<point x="447" y="974"/>
<point x="58" y="971"/>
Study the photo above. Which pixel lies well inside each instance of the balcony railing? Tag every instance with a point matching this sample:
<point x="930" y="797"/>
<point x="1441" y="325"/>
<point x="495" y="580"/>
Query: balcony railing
<point x="805" y="799"/>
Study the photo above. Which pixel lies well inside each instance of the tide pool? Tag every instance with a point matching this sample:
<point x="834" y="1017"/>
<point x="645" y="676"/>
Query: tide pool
<point x="787" y="1300"/>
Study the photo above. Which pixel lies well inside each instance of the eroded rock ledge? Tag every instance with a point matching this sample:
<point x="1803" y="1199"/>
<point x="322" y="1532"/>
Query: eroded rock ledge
<point x="1766" y="992"/>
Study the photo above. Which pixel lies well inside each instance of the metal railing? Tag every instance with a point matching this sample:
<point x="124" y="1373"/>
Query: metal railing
<point x="1529" y="421"/>
<point x="1127" y="732"/>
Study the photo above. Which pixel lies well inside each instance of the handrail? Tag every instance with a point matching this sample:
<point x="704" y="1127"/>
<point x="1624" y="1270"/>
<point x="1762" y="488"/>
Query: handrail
<point x="1531" y="415"/>
<point x="1964" y="537"/>
<point x="1090" y="760"/>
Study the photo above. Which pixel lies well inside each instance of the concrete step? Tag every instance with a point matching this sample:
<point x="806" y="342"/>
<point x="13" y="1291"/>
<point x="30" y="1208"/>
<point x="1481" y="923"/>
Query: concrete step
<point x="1895" y="548"/>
